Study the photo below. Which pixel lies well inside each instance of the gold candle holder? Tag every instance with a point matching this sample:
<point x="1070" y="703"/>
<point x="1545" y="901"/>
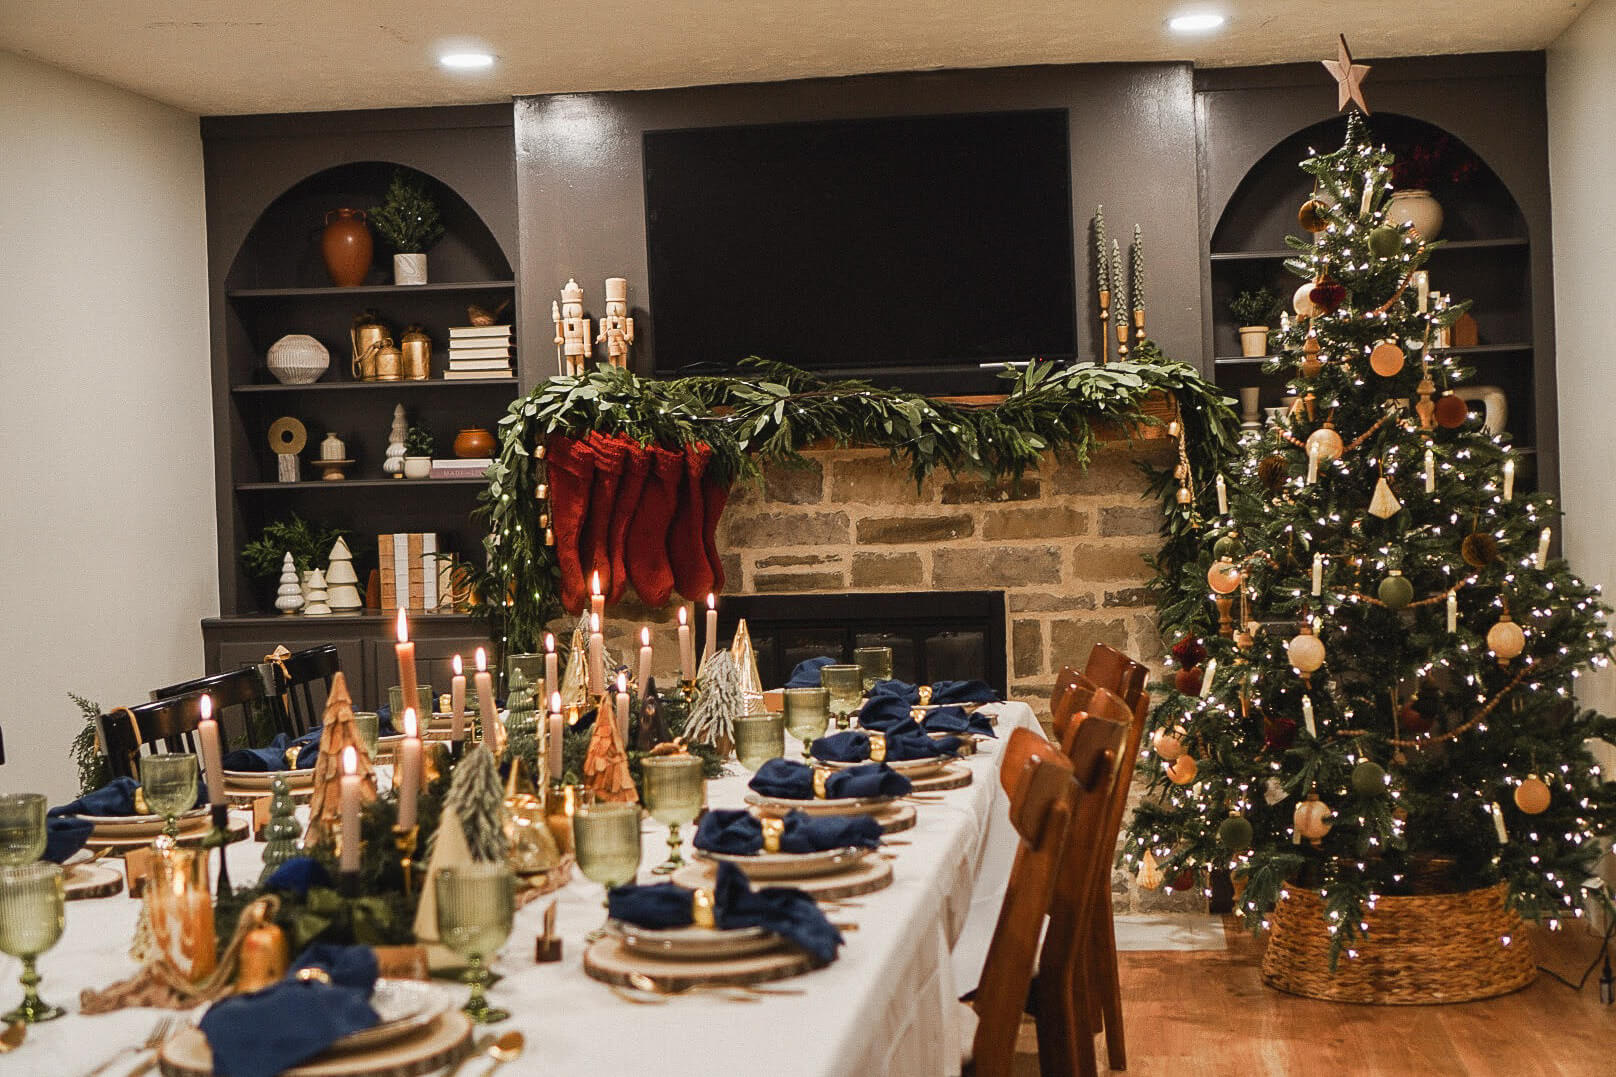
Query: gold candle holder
<point x="404" y="839"/>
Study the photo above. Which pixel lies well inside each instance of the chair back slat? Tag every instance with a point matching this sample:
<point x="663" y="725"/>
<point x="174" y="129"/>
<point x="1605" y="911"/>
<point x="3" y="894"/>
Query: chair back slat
<point x="237" y="696"/>
<point x="303" y="680"/>
<point x="164" y="725"/>
<point x="1111" y="669"/>
<point x="1042" y="805"/>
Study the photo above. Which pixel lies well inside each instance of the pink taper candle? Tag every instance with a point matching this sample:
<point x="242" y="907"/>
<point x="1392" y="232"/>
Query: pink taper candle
<point x="712" y="627"/>
<point x="554" y="753"/>
<point x="408" y="773"/>
<point x="687" y="652"/>
<point x="645" y="658"/>
<point x="622" y="708"/>
<point x="405" y="650"/>
<point x="207" y="731"/>
<point x="551" y="678"/>
<point x="485" y="699"/>
<point x="350" y="810"/>
<point x="457" y="700"/>
<point x="597" y="658"/>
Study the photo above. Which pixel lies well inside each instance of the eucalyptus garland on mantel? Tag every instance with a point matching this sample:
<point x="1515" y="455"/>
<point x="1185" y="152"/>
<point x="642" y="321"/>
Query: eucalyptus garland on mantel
<point x="771" y="412"/>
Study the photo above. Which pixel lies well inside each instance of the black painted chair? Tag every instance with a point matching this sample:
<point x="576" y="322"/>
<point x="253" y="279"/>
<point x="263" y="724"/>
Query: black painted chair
<point x="166" y="725"/>
<point x="302" y="681"/>
<point x="245" y="704"/>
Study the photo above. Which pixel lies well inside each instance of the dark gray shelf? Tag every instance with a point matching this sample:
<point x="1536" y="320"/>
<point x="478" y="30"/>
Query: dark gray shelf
<point x="373" y="289"/>
<point x="351" y="484"/>
<point x="373" y="386"/>
<point x="1455" y="245"/>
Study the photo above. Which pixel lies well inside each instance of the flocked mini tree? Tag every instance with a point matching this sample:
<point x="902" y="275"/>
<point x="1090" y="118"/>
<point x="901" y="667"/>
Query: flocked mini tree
<point x="1377" y="697"/>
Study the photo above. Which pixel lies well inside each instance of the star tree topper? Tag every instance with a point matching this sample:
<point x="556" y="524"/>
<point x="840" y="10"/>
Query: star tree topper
<point x="1348" y="76"/>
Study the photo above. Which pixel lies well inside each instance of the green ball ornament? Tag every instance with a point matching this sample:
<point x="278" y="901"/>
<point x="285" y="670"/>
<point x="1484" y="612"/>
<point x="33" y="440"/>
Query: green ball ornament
<point x="1385" y="241"/>
<point x="1235" y="833"/>
<point x="1228" y="548"/>
<point x="1369" y="779"/>
<point x="1396" y="591"/>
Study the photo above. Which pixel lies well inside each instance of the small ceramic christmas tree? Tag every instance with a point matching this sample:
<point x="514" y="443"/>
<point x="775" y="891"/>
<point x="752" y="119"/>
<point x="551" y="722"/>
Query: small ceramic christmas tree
<point x="478" y="800"/>
<point x="325" y="804"/>
<point x="317" y="604"/>
<point x="606" y="772"/>
<point x="394" y="462"/>
<point x="521" y="723"/>
<point x="342" y="583"/>
<point x="282" y="831"/>
<point x="289" y="595"/>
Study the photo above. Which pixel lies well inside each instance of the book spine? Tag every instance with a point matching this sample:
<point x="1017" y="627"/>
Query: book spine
<point x="401" y="571"/>
<point x="429" y="571"/>
<point x="384" y="562"/>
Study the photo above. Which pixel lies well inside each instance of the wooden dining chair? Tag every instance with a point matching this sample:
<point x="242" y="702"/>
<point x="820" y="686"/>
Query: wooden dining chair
<point x="302" y="681"/>
<point x="1111" y="669"/>
<point x="1061" y="992"/>
<point x="1074" y="701"/>
<point x="1065" y="681"/>
<point x="1043" y="801"/>
<point x="243" y="704"/>
<point x="164" y="725"/>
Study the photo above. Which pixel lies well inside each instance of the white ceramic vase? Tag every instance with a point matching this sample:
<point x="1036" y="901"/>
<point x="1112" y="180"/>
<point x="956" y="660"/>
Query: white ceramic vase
<point x="1253" y="341"/>
<point x="1418" y="208"/>
<point x="418" y="467"/>
<point x="298" y="359"/>
<point x="409" y="269"/>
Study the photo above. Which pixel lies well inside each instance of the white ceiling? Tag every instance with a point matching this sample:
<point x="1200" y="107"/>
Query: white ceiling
<point x="243" y="56"/>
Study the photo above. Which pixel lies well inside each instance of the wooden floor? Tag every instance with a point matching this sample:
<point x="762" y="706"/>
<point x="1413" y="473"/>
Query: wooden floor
<point x="1207" y="1014"/>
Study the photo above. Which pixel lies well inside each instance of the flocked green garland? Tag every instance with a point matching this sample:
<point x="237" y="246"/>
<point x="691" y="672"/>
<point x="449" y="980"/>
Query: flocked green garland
<point x="772" y="412"/>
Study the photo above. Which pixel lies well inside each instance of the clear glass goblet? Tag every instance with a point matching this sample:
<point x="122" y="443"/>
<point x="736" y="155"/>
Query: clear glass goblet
<point x="22" y="828"/>
<point x="674" y="793"/>
<point x="846" y="687"/>
<point x="475" y="905"/>
<point x="807" y="714"/>
<point x="606" y="842"/>
<point x="31" y="920"/>
<point x="876" y="662"/>
<point x="759" y="738"/>
<point x="169" y="784"/>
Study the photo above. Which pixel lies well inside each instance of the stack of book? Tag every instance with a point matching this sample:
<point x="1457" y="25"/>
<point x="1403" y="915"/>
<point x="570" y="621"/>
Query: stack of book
<point x="461" y="468"/>
<point x="410" y="570"/>
<point x="479" y="351"/>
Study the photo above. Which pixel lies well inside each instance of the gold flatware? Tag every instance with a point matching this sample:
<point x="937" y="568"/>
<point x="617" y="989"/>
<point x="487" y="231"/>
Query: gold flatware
<point x="654" y="986"/>
<point x="896" y="841"/>
<point x="847" y="925"/>
<point x="507" y="1047"/>
<point x="12" y="1037"/>
<point x="154" y="1039"/>
<point x="478" y="1047"/>
<point x="635" y="997"/>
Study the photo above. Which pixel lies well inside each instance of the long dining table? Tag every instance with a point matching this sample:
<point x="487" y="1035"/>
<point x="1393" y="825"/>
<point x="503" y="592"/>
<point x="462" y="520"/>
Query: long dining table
<point x="887" y="1005"/>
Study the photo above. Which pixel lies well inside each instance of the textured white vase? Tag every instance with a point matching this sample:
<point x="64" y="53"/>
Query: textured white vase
<point x="1418" y="208"/>
<point x="1253" y="341"/>
<point x="409" y="269"/>
<point x="418" y="467"/>
<point x="298" y="359"/>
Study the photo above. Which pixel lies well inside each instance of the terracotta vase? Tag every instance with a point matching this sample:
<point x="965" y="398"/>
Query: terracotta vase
<point x="346" y="246"/>
<point x="474" y="444"/>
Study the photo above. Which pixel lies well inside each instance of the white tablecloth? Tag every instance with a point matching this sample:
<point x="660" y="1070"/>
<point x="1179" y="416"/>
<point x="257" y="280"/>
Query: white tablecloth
<point x="886" y="1006"/>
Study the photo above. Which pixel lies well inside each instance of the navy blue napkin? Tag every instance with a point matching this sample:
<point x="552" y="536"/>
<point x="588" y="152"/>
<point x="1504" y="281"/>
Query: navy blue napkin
<point x="902" y="690"/>
<point x="883" y="712"/>
<point x="791" y="914"/>
<point x="738" y="833"/>
<point x="790" y="780"/>
<point x="117" y="797"/>
<point x="384" y="721"/>
<point x="261" y="1034"/>
<point x="806" y="672"/>
<point x="64" y="836"/>
<point x="271" y="757"/>
<point x="955" y="720"/>
<point x="963" y="692"/>
<point x="298" y="874"/>
<point x="905" y="741"/>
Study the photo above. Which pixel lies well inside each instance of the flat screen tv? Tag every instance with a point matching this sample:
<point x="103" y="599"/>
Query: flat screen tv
<point x="911" y="250"/>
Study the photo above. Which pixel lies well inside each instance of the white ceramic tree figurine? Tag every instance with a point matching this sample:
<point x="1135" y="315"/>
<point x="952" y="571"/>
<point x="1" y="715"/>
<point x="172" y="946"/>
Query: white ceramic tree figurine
<point x="394" y="463"/>
<point x="342" y="583"/>
<point x="319" y="602"/>
<point x="289" y="595"/>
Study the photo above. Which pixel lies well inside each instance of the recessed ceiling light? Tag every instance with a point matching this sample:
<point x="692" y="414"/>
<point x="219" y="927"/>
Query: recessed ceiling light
<point x="1198" y="23"/>
<point x="466" y="61"/>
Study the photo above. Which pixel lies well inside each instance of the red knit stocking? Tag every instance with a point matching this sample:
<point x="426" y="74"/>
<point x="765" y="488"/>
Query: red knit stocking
<point x="687" y="553"/>
<point x="571" y="467"/>
<point x="635" y="469"/>
<point x="645" y="547"/>
<point x="714" y="496"/>
<point x="611" y="453"/>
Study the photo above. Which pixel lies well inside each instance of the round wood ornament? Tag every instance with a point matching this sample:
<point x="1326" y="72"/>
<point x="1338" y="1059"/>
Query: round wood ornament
<point x="287" y="436"/>
<point x="1302" y="301"/>
<point x="1312" y="216"/>
<point x="1223" y="577"/>
<point x="1505" y="639"/>
<point x="1169" y="743"/>
<point x="1532" y="796"/>
<point x="1451" y="411"/>
<point x="1386" y="359"/>
<point x="1305" y="650"/>
<point x="1183" y="770"/>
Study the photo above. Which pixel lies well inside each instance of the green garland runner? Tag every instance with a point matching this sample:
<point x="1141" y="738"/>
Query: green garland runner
<point x="773" y="411"/>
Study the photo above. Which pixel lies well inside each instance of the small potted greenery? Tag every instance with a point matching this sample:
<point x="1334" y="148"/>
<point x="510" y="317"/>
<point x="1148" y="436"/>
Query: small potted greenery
<point x="408" y="220"/>
<point x="418" y="445"/>
<point x="1254" y="310"/>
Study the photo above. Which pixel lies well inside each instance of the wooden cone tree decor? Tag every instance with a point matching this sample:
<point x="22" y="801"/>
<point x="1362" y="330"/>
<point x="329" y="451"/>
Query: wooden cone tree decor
<point x="339" y="732"/>
<point x="606" y="772"/>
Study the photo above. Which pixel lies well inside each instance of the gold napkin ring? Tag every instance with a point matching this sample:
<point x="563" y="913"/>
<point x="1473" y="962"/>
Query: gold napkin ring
<point x="701" y="908"/>
<point x="878" y="746"/>
<point x="313" y="974"/>
<point x="819" y="783"/>
<point x="773" y="830"/>
<point x="924" y="692"/>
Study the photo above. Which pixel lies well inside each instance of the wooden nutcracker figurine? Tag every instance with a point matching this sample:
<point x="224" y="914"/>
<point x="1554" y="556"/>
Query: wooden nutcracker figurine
<point x="572" y="330"/>
<point x="616" y="327"/>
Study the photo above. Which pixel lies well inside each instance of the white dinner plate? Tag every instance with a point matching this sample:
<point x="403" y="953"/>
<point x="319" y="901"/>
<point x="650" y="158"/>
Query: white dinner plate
<point x="909" y="768"/>
<point x="134" y="826"/>
<point x="792" y="865"/>
<point x="694" y="943"/>
<point x="835" y="806"/>
<point x="403" y="1006"/>
<point x="260" y="780"/>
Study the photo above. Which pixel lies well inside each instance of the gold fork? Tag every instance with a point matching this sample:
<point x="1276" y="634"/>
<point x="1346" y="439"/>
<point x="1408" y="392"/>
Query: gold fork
<point x="154" y="1039"/>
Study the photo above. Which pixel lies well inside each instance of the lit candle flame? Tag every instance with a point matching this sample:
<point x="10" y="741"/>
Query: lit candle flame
<point x="682" y="617"/>
<point x="549" y="643"/>
<point x="482" y="660"/>
<point x="555" y="702"/>
<point x="594" y="622"/>
<point x="207" y="707"/>
<point x="409" y="721"/>
<point x="403" y="628"/>
<point x="712" y="601"/>
<point x="594" y="583"/>
<point x="622" y="684"/>
<point x="459" y="667"/>
<point x="350" y="760"/>
<point x="645" y="637"/>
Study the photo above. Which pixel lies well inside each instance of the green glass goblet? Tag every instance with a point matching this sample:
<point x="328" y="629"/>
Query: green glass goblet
<point x="169" y="782"/>
<point x="674" y="792"/>
<point x="369" y="726"/>
<point x="606" y="842"/>
<point x="807" y="714"/>
<point x="475" y="905"/>
<point x="22" y="828"/>
<point x="846" y="687"/>
<point x="759" y="738"/>
<point x="31" y="920"/>
<point x="422" y="704"/>
<point x="876" y="663"/>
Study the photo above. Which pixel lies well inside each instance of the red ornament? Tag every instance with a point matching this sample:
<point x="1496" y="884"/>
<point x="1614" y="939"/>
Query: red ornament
<point x="1184" y="880"/>
<point x="1412" y="722"/>
<point x="1278" y="733"/>
<point x="1452" y="411"/>
<point x="1189" y="652"/>
<point x="1328" y="296"/>
<point x="1188" y="681"/>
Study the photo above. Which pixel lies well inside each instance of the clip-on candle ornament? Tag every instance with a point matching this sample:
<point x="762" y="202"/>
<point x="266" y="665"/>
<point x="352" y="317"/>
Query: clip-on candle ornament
<point x="407" y="779"/>
<point x="1318" y="574"/>
<point x="1430" y="472"/>
<point x="1543" y="547"/>
<point x="1307" y="717"/>
<point x="1223" y="495"/>
<point x="348" y="836"/>
<point x="218" y="834"/>
<point x="1453" y="612"/>
<point x="1509" y="480"/>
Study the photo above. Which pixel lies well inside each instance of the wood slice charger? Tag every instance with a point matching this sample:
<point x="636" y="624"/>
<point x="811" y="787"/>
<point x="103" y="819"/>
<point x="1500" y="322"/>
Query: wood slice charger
<point x="609" y="961"/>
<point x="953" y="776"/>
<point x="91" y="880"/>
<point x="442" y="1043"/>
<point x="875" y="873"/>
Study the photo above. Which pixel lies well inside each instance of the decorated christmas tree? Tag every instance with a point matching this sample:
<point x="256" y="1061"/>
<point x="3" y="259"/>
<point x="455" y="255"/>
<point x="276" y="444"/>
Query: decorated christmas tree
<point x="1376" y="697"/>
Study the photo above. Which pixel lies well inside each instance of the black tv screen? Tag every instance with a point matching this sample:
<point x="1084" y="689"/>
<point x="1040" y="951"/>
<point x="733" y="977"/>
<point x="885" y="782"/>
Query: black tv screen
<point x="908" y="249"/>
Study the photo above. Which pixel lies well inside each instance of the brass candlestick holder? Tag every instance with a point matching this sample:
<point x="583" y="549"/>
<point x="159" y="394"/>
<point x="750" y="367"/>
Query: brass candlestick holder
<point x="404" y="839"/>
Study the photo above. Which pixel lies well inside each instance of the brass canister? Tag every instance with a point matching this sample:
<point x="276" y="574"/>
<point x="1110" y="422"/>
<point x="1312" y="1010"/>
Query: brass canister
<point x="367" y="336"/>
<point x="416" y="347"/>
<point x="389" y="361"/>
